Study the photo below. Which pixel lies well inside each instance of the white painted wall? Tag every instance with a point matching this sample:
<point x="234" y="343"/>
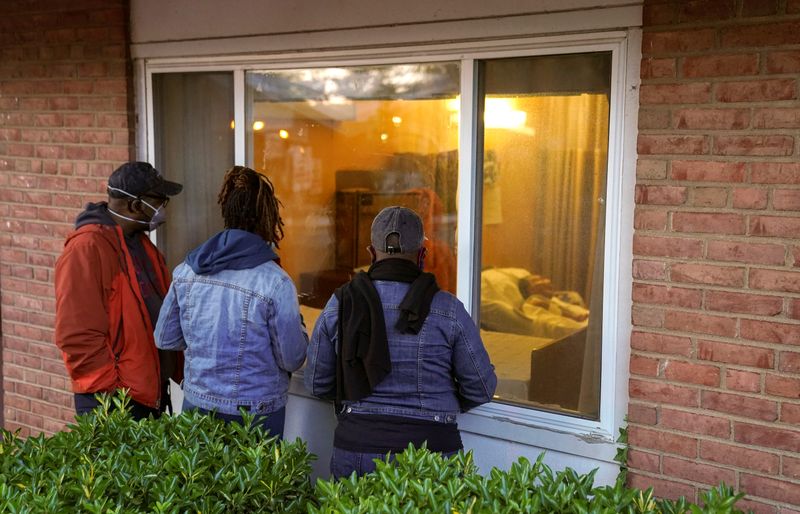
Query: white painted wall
<point x="493" y="446"/>
<point x="176" y="20"/>
<point x="185" y="28"/>
<point x="494" y="443"/>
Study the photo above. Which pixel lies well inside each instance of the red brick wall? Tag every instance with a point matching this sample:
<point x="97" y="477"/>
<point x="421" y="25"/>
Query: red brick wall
<point x="65" y="118"/>
<point x="715" y="390"/>
<point x="716" y="342"/>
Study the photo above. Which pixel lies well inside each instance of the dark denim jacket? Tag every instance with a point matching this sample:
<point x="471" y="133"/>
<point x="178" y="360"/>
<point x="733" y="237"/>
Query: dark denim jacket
<point x="242" y="336"/>
<point x="436" y="374"/>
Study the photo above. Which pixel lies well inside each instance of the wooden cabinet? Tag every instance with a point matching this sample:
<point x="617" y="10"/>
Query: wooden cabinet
<point x="355" y="211"/>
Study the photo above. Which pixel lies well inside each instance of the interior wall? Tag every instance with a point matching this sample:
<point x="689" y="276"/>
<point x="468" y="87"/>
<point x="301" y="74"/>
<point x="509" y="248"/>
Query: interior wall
<point x="303" y="166"/>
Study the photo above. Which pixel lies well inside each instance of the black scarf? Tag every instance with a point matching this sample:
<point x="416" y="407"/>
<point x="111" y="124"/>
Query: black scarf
<point x="416" y="305"/>
<point x="363" y="359"/>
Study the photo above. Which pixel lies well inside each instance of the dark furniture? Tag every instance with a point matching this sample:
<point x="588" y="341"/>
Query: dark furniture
<point x="557" y="372"/>
<point x="355" y="210"/>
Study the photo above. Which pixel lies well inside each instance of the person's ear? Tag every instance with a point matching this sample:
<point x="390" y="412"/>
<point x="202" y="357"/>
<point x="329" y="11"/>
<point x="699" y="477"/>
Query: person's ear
<point x="134" y="205"/>
<point x="421" y="257"/>
<point x="372" y="254"/>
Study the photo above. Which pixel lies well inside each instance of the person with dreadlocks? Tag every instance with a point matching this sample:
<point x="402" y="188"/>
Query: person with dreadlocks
<point x="234" y="311"/>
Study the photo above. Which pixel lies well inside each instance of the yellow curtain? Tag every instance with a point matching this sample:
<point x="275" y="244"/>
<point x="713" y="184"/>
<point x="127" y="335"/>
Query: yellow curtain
<point x="571" y="204"/>
<point x="569" y="173"/>
<point x="544" y="207"/>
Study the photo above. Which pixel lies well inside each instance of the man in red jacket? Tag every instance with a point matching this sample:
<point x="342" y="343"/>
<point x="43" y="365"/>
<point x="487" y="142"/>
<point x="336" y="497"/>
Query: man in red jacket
<point x="109" y="284"/>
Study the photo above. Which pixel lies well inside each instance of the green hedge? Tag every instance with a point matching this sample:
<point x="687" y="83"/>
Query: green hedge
<point x="419" y="481"/>
<point x="109" y="463"/>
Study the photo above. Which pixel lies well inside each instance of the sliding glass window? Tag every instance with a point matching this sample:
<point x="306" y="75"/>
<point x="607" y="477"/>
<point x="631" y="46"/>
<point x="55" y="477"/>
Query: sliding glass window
<point x="194" y="146"/>
<point x="340" y="144"/>
<point x="545" y="155"/>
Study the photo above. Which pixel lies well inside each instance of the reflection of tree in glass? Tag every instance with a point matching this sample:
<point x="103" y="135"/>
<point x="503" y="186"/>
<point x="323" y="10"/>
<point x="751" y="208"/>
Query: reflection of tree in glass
<point x="403" y="81"/>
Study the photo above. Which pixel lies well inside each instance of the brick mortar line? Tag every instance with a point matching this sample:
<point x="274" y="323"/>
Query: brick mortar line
<point x="764" y="345"/>
<point x="693" y="286"/>
<point x="27" y="340"/>
<point x="33" y="384"/>
<point x="723" y="366"/>
<point x="694" y="360"/>
<point x="726" y="466"/>
<point x="761" y="158"/>
<point x="712" y="439"/>
<point x="700" y="209"/>
<point x="730" y="467"/>
<point x="712" y="80"/>
<point x="712" y="132"/>
<point x="715" y="158"/>
<point x="736" y="316"/>
<point x="704" y="487"/>
<point x="721" y="264"/>
<point x="670" y="182"/>
<point x="34" y="266"/>
<point x="735" y="22"/>
<point x="718" y="389"/>
<point x="715" y="51"/>
<point x="50" y="389"/>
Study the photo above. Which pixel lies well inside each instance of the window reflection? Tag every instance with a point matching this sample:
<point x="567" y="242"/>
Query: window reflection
<point x="193" y="146"/>
<point x="544" y="177"/>
<point x="340" y="144"/>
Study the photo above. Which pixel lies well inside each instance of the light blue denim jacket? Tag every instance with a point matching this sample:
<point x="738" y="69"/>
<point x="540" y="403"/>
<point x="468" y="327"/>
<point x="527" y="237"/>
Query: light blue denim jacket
<point x="435" y="374"/>
<point x="242" y="334"/>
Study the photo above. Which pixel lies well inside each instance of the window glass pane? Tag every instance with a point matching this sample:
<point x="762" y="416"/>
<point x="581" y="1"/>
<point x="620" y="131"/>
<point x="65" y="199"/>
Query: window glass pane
<point x="193" y="113"/>
<point x="544" y="178"/>
<point x="339" y="144"/>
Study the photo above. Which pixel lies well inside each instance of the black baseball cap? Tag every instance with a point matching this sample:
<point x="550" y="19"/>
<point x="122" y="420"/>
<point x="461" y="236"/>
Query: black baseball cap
<point x="401" y="221"/>
<point x="141" y="178"/>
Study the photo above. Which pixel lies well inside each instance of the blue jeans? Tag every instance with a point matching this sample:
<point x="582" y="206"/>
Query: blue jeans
<point x="272" y="422"/>
<point x="344" y="462"/>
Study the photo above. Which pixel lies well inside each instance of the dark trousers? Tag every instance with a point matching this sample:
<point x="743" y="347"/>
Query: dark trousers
<point x="272" y="422"/>
<point x="345" y="462"/>
<point x="86" y="403"/>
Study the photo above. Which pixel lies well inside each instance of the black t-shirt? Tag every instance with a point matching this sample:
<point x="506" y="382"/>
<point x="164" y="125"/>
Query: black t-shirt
<point x="377" y="433"/>
<point x="146" y="276"/>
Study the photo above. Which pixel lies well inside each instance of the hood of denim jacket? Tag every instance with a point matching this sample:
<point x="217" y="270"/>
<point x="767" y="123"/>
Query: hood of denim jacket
<point x="231" y="249"/>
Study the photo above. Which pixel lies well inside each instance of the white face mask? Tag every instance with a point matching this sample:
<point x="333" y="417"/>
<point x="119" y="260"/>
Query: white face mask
<point x="156" y="220"/>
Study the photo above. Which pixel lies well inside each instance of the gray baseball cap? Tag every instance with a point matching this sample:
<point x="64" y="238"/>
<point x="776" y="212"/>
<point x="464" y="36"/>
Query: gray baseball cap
<point x="401" y="221"/>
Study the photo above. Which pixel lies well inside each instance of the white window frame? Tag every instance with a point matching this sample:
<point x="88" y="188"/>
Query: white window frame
<point x="530" y="426"/>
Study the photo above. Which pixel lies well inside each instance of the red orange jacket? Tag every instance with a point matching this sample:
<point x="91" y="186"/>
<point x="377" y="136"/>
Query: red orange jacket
<point x="102" y="325"/>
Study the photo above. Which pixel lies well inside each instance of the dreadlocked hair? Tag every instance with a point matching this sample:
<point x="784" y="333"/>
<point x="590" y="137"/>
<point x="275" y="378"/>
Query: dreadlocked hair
<point x="248" y="202"/>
